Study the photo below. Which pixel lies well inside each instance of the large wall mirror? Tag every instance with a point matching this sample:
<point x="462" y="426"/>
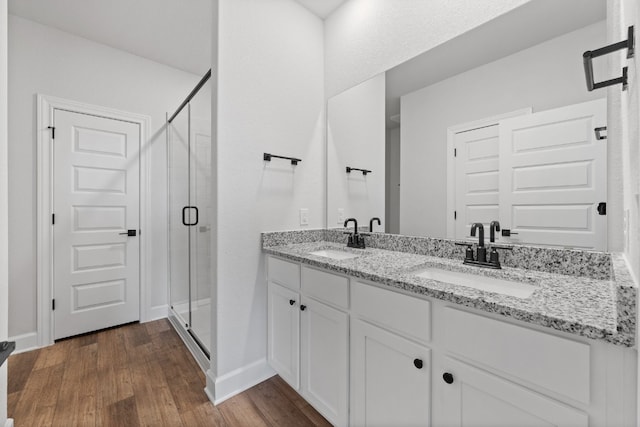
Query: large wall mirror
<point x="495" y="125"/>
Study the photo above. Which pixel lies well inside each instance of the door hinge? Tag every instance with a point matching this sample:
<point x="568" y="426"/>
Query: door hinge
<point x="53" y="131"/>
<point x="455" y="214"/>
<point x="53" y="304"/>
<point x="602" y="208"/>
<point x="53" y="219"/>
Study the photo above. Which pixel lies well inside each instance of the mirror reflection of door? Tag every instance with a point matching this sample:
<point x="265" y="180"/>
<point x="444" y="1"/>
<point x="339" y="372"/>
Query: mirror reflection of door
<point x="541" y="175"/>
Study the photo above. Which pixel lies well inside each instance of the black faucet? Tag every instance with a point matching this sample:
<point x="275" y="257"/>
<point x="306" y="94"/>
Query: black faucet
<point x="481" y="251"/>
<point x="371" y="223"/>
<point x="493" y="227"/>
<point x="355" y="240"/>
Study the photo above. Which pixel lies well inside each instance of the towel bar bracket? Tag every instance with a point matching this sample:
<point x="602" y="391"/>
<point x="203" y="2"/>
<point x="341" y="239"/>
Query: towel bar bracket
<point x="587" y="59"/>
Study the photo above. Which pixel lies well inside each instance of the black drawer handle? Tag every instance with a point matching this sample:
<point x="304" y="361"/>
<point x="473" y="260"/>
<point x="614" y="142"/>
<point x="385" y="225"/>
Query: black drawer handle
<point x="303" y="307"/>
<point x="447" y="377"/>
<point x="292" y="302"/>
<point x="418" y="363"/>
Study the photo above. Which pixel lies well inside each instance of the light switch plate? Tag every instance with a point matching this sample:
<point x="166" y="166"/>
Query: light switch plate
<point x="340" y="216"/>
<point x="304" y="216"/>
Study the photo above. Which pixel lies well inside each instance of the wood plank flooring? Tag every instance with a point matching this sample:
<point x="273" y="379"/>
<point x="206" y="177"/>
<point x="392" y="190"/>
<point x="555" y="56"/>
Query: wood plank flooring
<point x="137" y="375"/>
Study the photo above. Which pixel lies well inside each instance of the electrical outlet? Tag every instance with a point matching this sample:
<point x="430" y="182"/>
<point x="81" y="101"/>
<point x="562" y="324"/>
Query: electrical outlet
<point x="304" y="216"/>
<point x="340" y="216"/>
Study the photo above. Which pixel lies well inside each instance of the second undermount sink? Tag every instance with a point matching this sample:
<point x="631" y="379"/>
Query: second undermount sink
<point x="334" y="254"/>
<point x="480" y="282"/>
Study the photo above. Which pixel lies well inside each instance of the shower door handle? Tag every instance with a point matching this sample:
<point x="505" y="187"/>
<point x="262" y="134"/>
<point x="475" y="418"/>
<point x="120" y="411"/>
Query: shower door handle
<point x="184" y="217"/>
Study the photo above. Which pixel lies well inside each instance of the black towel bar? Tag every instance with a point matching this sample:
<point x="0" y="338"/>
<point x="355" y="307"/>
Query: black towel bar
<point x="364" y="171"/>
<point x="267" y="158"/>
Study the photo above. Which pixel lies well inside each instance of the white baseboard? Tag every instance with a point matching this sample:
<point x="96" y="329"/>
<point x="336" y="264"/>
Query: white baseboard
<point x="9" y="423"/>
<point x="156" y="313"/>
<point x="25" y="342"/>
<point x="228" y="385"/>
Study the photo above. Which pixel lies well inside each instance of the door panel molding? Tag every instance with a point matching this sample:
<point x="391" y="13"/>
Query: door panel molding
<point x="451" y="161"/>
<point x="44" y="193"/>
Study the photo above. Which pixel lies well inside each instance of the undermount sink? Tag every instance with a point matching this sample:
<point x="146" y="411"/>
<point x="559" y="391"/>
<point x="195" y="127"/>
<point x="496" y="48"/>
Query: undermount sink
<point x="480" y="282"/>
<point x="334" y="254"/>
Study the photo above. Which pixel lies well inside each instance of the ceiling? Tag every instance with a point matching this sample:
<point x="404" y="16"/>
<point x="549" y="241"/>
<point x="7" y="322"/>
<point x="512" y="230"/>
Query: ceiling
<point x="172" y="32"/>
<point x="524" y="27"/>
<point x="322" y="8"/>
<point x="176" y="33"/>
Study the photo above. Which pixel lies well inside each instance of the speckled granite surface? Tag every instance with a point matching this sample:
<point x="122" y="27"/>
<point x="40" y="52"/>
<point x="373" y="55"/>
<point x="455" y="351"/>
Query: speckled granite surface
<point x="596" y="308"/>
<point x="596" y="265"/>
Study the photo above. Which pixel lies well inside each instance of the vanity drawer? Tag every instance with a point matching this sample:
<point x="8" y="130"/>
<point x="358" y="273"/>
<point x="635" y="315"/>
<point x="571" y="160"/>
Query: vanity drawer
<point x="546" y="360"/>
<point x="403" y="314"/>
<point x="326" y="286"/>
<point x="283" y="272"/>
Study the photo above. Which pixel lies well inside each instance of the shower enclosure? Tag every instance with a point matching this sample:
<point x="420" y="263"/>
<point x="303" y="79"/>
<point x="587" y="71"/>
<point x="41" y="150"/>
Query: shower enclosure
<point x="189" y="200"/>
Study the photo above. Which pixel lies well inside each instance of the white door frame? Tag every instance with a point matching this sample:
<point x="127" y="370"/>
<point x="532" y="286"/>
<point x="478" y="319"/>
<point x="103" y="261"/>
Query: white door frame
<point x="44" y="193"/>
<point x="451" y="163"/>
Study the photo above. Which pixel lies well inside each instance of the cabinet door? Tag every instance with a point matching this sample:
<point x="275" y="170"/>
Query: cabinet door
<point x="390" y="379"/>
<point x="325" y="369"/>
<point x="473" y="397"/>
<point x="283" y="323"/>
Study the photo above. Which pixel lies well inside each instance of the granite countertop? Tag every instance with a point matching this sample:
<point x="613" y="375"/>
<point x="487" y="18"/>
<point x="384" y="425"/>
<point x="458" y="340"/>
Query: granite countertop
<point x="595" y="308"/>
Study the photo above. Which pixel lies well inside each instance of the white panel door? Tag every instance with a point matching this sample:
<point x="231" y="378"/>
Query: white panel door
<point x="476" y="166"/>
<point x="325" y="360"/>
<point x="283" y="327"/>
<point x="475" y="398"/>
<point x="390" y="379"/>
<point x="96" y="199"/>
<point x="553" y="175"/>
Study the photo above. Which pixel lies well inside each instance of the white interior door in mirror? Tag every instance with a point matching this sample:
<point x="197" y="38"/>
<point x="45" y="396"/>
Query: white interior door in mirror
<point x="553" y="174"/>
<point x="96" y="200"/>
<point x="476" y="176"/>
<point x="356" y="138"/>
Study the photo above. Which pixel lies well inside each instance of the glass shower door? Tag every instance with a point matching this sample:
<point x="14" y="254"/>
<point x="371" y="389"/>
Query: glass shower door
<point x="200" y="234"/>
<point x="179" y="174"/>
<point x="189" y="153"/>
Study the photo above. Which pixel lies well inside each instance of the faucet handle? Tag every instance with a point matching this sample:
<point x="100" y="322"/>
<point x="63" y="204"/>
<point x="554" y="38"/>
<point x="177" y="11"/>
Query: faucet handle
<point x="468" y="253"/>
<point x="508" y="248"/>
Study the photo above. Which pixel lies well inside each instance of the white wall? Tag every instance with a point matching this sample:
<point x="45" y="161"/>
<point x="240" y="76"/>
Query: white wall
<point x="51" y="62"/>
<point x="3" y="206"/>
<point x="625" y="123"/>
<point x="545" y="76"/>
<point x="356" y="138"/>
<point x="367" y="37"/>
<point x="270" y="99"/>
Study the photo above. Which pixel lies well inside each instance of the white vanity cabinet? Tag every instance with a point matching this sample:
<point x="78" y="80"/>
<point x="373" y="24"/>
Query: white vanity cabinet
<point x="390" y="368"/>
<point x="390" y="378"/>
<point x="468" y="396"/>
<point x="308" y="328"/>
<point x="283" y="320"/>
<point x="368" y="355"/>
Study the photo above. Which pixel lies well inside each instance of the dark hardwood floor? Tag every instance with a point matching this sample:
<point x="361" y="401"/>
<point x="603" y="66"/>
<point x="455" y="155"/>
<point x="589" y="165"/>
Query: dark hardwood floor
<point x="137" y="375"/>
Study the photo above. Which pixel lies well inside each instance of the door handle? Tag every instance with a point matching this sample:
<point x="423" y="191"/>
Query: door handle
<point x="129" y="233"/>
<point x="184" y="217"/>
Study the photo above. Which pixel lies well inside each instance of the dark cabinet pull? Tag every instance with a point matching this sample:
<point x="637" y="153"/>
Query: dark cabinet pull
<point x="447" y="377"/>
<point x="303" y="307"/>
<point x="292" y="302"/>
<point x="129" y="233"/>
<point x="417" y="363"/>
